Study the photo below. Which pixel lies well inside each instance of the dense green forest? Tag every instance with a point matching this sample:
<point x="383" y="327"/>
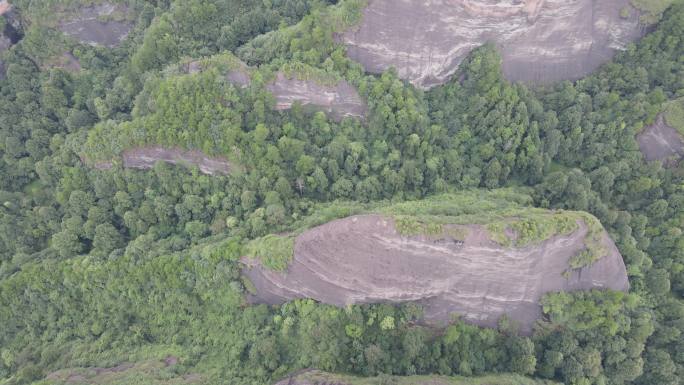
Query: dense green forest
<point x="100" y="267"/>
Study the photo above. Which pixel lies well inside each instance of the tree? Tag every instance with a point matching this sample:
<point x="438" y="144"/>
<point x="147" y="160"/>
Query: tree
<point x="521" y="353"/>
<point x="107" y="238"/>
<point x="658" y="281"/>
<point x="67" y="244"/>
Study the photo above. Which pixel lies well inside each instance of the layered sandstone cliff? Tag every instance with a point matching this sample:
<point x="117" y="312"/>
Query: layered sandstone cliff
<point x="364" y="259"/>
<point x="540" y="40"/>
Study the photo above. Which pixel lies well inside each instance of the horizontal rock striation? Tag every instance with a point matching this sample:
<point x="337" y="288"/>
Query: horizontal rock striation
<point x="363" y="259"/>
<point x="339" y="101"/>
<point x="540" y="40"/>
<point x="659" y="141"/>
<point x="147" y="157"/>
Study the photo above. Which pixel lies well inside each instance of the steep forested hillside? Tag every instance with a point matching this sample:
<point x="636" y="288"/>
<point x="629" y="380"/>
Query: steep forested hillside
<point x="115" y="271"/>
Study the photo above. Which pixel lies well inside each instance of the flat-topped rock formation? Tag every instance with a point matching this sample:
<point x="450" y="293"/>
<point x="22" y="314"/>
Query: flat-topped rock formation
<point x="147" y="157"/>
<point x="540" y="40"/>
<point x="364" y="259"/>
<point x="660" y="141"/>
<point x="89" y="28"/>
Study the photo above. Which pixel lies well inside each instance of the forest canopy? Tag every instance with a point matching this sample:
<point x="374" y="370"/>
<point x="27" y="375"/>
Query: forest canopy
<point x="104" y="265"/>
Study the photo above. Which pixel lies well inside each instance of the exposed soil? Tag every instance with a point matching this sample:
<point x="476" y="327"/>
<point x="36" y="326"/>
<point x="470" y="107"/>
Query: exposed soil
<point x="147" y="157"/>
<point x="88" y="26"/>
<point x="540" y="40"/>
<point x="362" y="259"/>
<point x="659" y="141"/>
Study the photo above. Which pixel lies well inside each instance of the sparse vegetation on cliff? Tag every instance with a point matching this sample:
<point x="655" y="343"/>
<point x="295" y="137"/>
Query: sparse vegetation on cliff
<point x="101" y="265"/>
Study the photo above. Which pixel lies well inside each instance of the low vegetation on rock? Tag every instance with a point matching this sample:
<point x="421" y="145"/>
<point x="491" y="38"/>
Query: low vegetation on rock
<point x="674" y="114"/>
<point x="273" y="251"/>
<point x="442" y="253"/>
<point x="477" y="185"/>
<point x="317" y="377"/>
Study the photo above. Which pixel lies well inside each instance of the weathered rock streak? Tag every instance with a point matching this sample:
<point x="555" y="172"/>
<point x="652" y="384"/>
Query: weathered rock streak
<point x="659" y="141"/>
<point x="540" y="40"/>
<point x="362" y="259"/>
<point x="339" y="101"/>
<point x="146" y="157"/>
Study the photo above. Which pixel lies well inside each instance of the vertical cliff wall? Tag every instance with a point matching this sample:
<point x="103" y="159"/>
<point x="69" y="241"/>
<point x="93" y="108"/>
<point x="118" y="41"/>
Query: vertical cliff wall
<point x="540" y="40"/>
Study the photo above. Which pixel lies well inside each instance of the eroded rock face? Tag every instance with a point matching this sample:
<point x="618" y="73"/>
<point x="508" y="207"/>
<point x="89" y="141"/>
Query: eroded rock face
<point x="5" y="39"/>
<point x="88" y="26"/>
<point x="540" y="40"/>
<point x="339" y="101"/>
<point x="363" y="259"/>
<point x="147" y="157"/>
<point x="238" y="78"/>
<point x="659" y="141"/>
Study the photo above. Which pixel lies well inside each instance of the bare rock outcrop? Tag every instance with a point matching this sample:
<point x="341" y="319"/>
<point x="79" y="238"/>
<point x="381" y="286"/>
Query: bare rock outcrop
<point x="238" y="78"/>
<point x="540" y="40"/>
<point x="90" y="26"/>
<point x="364" y="259"/>
<point x="6" y="38"/>
<point x="339" y="101"/>
<point x="146" y="157"/>
<point x="659" y="141"/>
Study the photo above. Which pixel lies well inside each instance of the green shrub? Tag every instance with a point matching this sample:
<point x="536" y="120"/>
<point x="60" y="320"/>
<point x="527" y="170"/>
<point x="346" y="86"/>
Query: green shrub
<point x="273" y="251"/>
<point x="674" y="115"/>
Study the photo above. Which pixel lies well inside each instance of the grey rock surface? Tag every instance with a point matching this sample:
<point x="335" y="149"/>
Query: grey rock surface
<point x="659" y="141"/>
<point x="363" y="259"/>
<point x="339" y="101"/>
<point x="5" y="41"/>
<point x="238" y="78"/>
<point x="147" y="157"/>
<point x="88" y="26"/>
<point x="540" y="40"/>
